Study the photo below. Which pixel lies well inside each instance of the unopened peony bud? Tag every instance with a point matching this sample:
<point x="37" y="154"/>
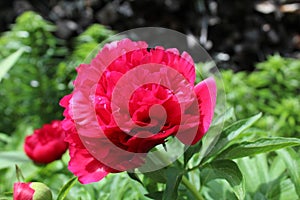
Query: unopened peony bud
<point x="31" y="191"/>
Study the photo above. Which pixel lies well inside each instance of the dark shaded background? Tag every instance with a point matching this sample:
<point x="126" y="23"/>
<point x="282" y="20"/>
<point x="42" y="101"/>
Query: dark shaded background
<point x="237" y="33"/>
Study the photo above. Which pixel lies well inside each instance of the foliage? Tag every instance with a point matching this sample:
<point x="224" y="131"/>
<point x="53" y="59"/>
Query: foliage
<point x="26" y="89"/>
<point x="31" y="90"/>
<point x="207" y="169"/>
<point x="272" y="89"/>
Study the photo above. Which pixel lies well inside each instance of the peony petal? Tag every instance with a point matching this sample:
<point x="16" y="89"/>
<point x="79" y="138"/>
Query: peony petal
<point x="64" y="102"/>
<point x="206" y="92"/>
<point x="85" y="166"/>
<point x="23" y="191"/>
<point x="114" y="50"/>
<point x="188" y="67"/>
<point x="184" y="64"/>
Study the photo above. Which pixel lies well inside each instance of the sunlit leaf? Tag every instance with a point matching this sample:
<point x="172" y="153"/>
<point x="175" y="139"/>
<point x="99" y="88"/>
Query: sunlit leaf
<point x="292" y="162"/>
<point x="228" y="170"/>
<point x="230" y="133"/>
<point x="229" y="113"/>
<point x="8" y="62"/>
<point x="66" y="188"/>
<point x="257" y="147"/>
<point x="11" y="158"/>
<point x="173" y="176"/>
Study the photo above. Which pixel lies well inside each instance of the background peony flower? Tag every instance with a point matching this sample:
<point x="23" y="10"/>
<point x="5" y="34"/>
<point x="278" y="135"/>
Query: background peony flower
<point x="47" y="143"/>
<point x="31" y="191"/>
<point x="188" y="109"/>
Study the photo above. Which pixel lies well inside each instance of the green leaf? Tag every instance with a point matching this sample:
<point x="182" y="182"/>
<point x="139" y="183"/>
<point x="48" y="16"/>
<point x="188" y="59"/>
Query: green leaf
<point x="157" y="175"/>
<point x="281" y="189"/>
<point x="250" y="173"/>
<point x="4" y="138"/>
<point x="218" y="189"/>
<point x="135" y="177"/>
<point x="209" y="141"/>
<point x="287" y="190"/>
<point x="230" y="133"/>
<point x="256" y="147"/>
<point x="229" y="113"/>
<point x="66" y="188"/>
<point x="6" y="196"/>
<point x="228" y="170"/>
<point x="150" y="185"/>
<point x="292" y="162"/>
<point x="213" y="134"/>
<point x="191" y="151"/>
<point x="277" y="168"/>
<point x="173" y="176"/>
<point x="8" y="62"/>
<point x="155" y="195"/>
<point x="9" y="158"/>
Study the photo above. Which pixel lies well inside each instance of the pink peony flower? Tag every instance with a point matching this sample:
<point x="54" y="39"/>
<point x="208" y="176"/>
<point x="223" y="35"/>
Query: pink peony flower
<point x="128" y="100"/>
<point x="46" y="144"/>
<point x="31" y="191"/>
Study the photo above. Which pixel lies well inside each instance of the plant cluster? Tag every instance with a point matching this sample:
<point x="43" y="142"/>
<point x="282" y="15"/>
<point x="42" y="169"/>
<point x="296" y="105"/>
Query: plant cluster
<point x="273" y="89"/>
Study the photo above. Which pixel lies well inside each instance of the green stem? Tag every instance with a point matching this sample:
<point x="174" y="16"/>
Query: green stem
<point x="65" y="166"/>
<point x="34" y="174"/>
<point x="191" y="188"/>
